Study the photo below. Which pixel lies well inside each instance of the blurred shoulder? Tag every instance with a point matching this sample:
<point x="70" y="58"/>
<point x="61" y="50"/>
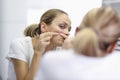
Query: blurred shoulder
<point x="114" y="57"/>
<point x="58" y="54"/>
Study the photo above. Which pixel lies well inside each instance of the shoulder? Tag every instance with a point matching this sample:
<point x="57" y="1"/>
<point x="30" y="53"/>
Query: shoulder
<point x="113" y="59"/>
<point x="20" y="48"/>
<point x="58" y="54"/>
<point x="57" y="58"/>
<point x="20" y="41"/>
<point x="115" y="56"/>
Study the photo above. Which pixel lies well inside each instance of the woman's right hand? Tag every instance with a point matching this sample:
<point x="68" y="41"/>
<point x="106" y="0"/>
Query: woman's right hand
<point x="42" y="40"/>
<point x="67" y="43"/>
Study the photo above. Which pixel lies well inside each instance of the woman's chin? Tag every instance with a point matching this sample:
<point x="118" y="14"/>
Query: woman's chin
<point x="59" y="43"/>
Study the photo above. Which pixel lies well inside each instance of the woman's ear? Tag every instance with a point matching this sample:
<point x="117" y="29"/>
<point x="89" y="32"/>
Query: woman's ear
<point x="77" y="30"/>
<point x="43" y="27"/>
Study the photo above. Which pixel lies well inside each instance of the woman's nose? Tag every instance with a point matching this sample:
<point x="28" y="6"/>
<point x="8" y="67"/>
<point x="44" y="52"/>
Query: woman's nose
<point x="67" y="32"/>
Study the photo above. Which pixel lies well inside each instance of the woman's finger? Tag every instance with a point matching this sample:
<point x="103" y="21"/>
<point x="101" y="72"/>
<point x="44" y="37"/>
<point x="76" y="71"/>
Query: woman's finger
<point x="63" y="35"/>
<point x="46" y="39"/>
<point x="48" y="34"/>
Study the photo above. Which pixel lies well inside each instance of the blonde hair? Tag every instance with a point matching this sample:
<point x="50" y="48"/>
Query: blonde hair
<point x="30" y="30"/>
<point x="95" y="14"/>
<point x="47" y="18"/>
<point x="86" y="43"/>
<point x="98" y="19"/>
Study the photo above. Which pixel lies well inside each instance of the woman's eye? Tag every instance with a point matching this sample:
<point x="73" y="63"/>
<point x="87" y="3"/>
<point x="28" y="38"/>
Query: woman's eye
<point x="62" y="26"/>
<point x="65" y="26"/>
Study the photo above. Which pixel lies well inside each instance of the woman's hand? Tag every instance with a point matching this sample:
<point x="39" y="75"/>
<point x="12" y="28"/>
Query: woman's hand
<point x="67" y="43"/>
<point x="42" y="40"/>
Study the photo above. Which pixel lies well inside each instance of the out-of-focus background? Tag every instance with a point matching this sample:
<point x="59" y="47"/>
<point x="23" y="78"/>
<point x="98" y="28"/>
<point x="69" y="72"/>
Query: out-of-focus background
<point x="15" y="15"/>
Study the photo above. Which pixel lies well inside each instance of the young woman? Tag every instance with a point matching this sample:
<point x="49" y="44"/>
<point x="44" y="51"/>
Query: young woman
<point x="25" y="53"/>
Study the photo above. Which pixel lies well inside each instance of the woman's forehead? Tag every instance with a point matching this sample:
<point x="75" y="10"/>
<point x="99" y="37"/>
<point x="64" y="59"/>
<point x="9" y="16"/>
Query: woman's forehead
<point x="63" y="18"/>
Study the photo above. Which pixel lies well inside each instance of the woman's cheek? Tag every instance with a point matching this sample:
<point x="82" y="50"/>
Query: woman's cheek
<point x="57" y="39"/>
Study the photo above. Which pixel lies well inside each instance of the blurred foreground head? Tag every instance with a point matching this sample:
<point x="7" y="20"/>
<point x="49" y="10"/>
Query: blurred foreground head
<point x="86" y="42"/>
<point x="106" y="23"/>
<point x="105" y="20"/>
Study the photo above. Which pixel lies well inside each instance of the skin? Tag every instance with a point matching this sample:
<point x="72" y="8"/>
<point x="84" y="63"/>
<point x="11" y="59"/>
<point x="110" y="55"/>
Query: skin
<point x="52" y="35"/>
<point x="68" y="43"/>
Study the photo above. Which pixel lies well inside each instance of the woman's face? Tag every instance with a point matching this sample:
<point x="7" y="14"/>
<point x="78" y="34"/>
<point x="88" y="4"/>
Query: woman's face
<point x="111" y="32"/>
<point x="62" y="25"/>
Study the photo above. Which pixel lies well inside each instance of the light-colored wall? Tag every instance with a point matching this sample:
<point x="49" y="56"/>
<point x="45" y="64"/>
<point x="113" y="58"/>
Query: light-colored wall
<point x="14" y="17"/>
<point x="12" y="22"/>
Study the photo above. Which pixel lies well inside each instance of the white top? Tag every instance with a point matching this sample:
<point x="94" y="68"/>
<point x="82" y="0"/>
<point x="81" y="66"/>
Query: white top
<point x="20" y="49"/>
<point x="67" y="65"/>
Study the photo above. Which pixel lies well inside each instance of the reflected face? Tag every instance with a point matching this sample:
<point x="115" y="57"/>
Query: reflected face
<point x="62" y="25"/>
<point x="111" y="32"/>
